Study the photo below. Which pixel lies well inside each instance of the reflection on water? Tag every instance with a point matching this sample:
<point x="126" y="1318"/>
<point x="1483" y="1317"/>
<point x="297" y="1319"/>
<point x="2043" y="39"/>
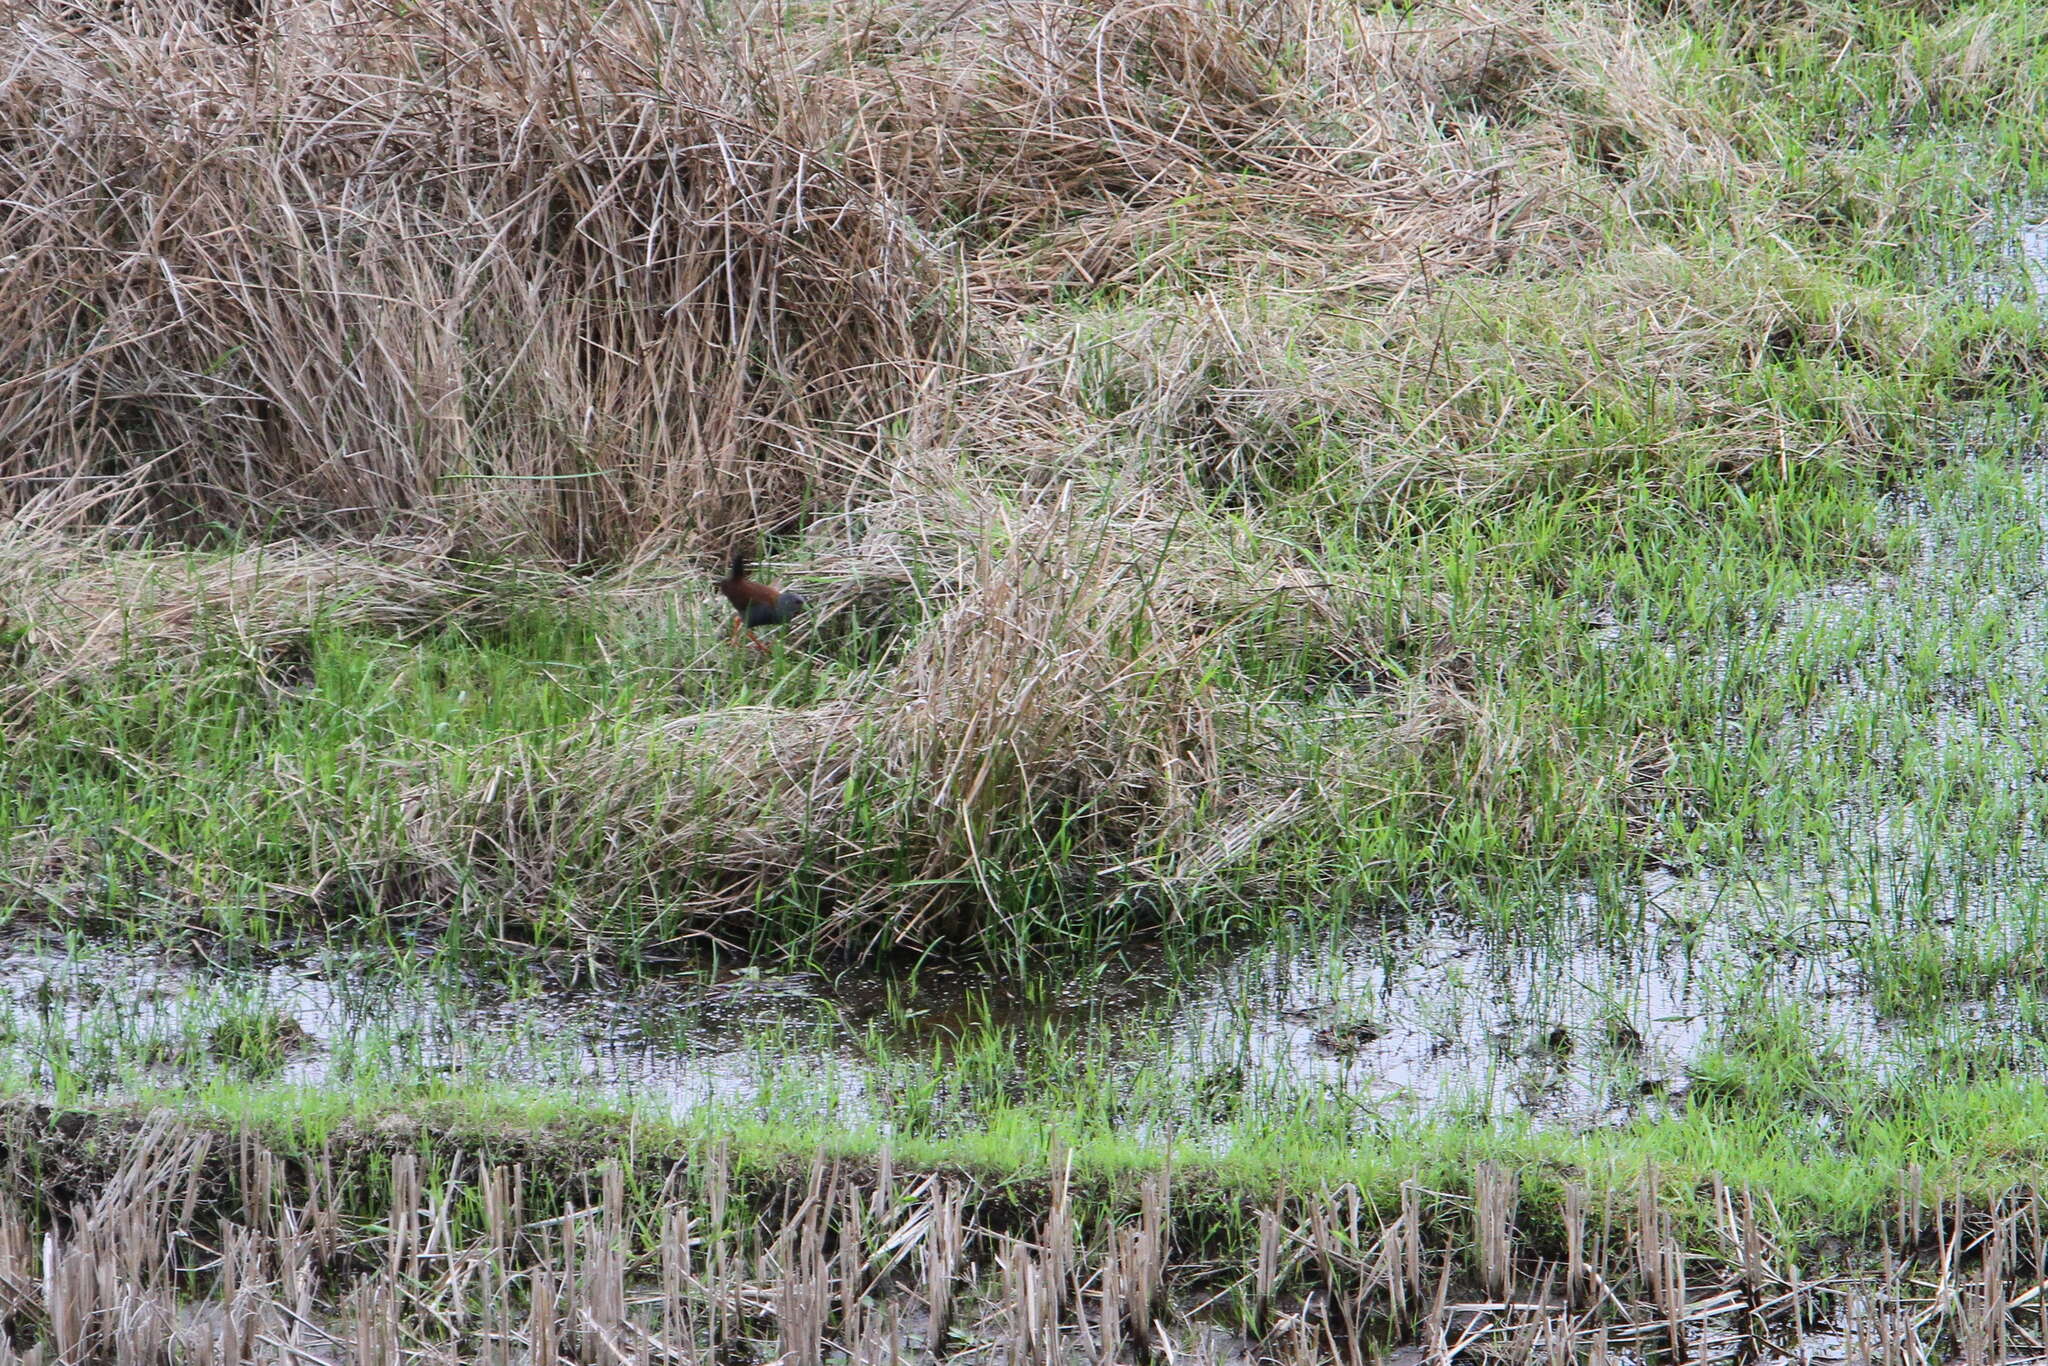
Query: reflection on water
<point x="1601" y="1016"/>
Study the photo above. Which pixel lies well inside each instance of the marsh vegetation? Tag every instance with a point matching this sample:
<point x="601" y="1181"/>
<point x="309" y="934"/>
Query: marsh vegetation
<point x="1407" y="603"/>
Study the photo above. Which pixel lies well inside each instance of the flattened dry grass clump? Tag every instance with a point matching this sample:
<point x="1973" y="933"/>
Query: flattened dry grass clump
<point x="74" y="606"/>
<point x="1645" y="366"/>
<point x="1109" y="144"/>
<point x="541" y="279"/>
<point x="1049" y="736"/>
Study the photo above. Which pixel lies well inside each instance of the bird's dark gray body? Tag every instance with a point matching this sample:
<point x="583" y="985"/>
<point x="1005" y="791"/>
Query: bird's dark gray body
<point x="756" y="604"/>
<point x="786" y="605"/>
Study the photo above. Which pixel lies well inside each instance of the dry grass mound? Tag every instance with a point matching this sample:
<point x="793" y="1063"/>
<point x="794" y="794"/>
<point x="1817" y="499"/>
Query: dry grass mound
<point x="536" y="276"/>
<point x="1117" y="144"/>
<point x="78" y="605"/>
<point x="1048" y="723"/>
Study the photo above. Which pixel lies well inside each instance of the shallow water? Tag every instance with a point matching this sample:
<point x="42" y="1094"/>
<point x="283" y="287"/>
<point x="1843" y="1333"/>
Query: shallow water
<point x="1425" y="1015"/>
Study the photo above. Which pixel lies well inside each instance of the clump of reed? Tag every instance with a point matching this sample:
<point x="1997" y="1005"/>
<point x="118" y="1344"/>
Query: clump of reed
<point x="652" y="284"/>
<point x="541" y="279"/>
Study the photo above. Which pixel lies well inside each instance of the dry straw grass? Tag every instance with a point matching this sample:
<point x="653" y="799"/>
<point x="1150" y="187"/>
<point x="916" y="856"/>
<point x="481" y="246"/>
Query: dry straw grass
<point x="1121" y="144"/>
<point x="79" y="605"/>
<point x="533" y="275"/>
<point x="1055" y="714"/>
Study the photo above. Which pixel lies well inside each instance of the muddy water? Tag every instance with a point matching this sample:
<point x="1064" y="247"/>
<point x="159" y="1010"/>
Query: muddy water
<point x="1425" y="1016"/>
<point x="1587" y="1008"/>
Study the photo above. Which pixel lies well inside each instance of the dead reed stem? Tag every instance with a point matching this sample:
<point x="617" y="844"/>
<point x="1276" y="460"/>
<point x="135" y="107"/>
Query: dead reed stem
<point x="202" y="1247"/>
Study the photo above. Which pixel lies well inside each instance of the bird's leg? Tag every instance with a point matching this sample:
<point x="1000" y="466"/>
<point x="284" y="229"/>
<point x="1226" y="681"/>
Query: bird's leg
<point x="757" y="643"/>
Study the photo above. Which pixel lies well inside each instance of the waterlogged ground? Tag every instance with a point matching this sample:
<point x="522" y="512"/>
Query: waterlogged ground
<point x="1430" y="1015"/>
<point x="1879" y="904"/>
<point x="1899" y="913"/>
<point x="1576" y="1006"/>
<point x="1896" y="913"/>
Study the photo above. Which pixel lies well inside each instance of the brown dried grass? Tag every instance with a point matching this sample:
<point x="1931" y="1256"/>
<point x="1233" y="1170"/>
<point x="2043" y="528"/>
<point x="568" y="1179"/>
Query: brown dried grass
<point x="530" y="277"/>
<point x="169" y="1241"/>
<point x="80" y="604"/>
<point x="1307" y="142"/>
<point x="1054" y="714"/>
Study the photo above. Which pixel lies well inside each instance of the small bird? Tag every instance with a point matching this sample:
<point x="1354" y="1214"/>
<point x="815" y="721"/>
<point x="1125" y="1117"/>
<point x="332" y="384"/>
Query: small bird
<point x="756" y="604"/>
